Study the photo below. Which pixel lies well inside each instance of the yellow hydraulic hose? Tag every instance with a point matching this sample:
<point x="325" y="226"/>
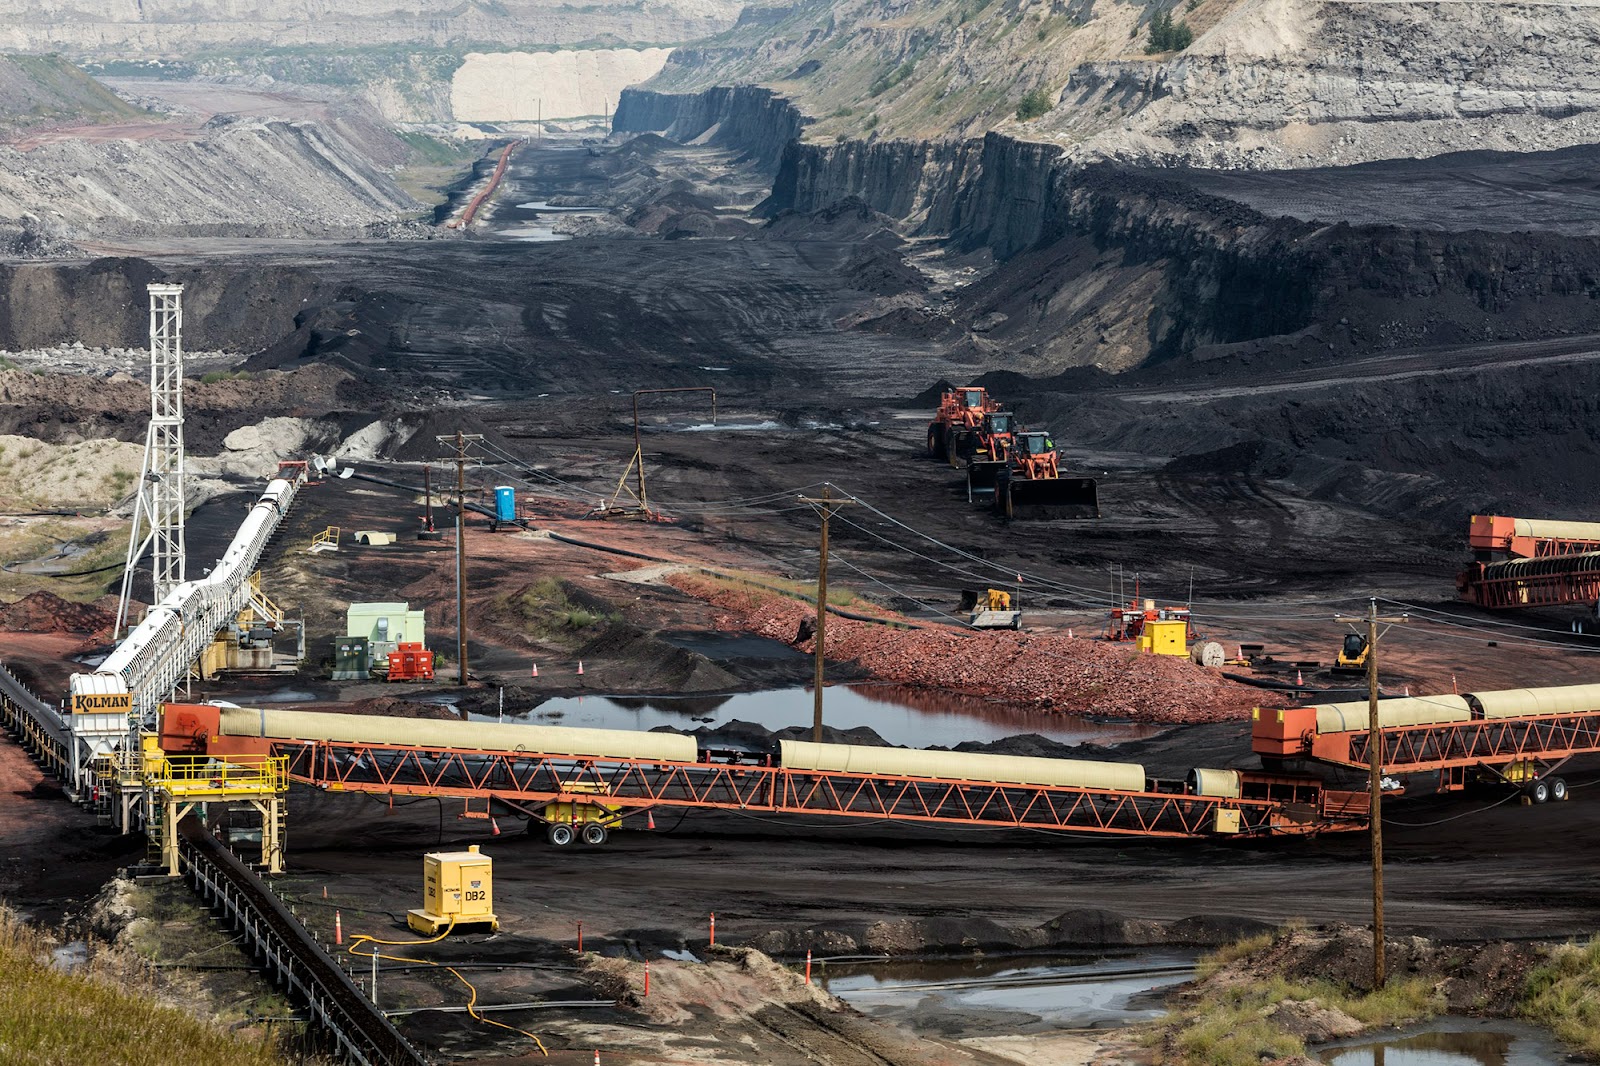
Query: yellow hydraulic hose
<point x="361" y="939"/>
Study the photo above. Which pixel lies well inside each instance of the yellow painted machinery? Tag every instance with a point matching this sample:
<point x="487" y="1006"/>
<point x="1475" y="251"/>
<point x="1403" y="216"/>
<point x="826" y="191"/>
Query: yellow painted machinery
<point x="457" y="890"/>
<point x="990" y="609"/>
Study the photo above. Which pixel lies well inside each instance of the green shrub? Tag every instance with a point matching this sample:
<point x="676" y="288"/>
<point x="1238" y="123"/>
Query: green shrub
<point x="1168" y="36"/>
<point x="1036" y="103"/>
<point x="893" y="78"/>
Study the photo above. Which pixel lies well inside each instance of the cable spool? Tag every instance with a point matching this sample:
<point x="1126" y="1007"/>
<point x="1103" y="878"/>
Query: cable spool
<point x="1210" y="654"/>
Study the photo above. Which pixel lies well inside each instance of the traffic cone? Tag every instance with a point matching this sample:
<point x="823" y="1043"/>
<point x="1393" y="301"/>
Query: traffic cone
<point x="1408" y="692"/>
<point x="650" y="819"/>
<point x="1453" y="687"/>
<point x="494" y="828"/>
<point x="338" y="929"/>
<point x="580" y="673"/>
<point x="324" y="891"/>
<point x="535" y="670"/>
<point x="1299" y="678"/>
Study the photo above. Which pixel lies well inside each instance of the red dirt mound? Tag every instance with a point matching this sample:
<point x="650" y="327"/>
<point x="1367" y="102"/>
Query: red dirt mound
<point x="45" y="612"/>
<point x="1054" y="672"/>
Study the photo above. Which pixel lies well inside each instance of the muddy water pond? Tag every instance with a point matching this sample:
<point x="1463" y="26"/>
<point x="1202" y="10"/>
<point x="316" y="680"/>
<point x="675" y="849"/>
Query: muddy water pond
<point x="1449" y="1042"/>
<point x="1011" y="995"/>
<point x="899" y="714"/>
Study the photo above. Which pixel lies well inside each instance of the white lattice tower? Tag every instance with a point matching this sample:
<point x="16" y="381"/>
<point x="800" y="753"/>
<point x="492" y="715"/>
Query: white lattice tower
<point x="159" y="507"/>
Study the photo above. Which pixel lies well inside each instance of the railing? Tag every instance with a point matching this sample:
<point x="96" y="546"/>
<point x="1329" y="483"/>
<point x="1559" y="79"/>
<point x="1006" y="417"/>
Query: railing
<point x="194" y="776"/>
<point x="355" y="1030"/>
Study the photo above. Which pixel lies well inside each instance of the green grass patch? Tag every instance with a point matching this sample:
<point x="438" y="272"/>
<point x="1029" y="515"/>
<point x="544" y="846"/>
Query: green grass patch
<point x="106" y="1012"/>
<point x="1564" y="995"/>
<point x="1230" y="1025"/>
<point x="549" y="611"/>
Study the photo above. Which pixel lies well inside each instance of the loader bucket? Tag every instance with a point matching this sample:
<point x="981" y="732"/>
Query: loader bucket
<point x="981" y="478"/>
<point x="1064" y="497"/>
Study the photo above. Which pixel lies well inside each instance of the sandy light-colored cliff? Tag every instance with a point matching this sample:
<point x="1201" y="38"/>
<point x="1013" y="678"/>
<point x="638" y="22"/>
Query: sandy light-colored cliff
<point x="516" y="86"/>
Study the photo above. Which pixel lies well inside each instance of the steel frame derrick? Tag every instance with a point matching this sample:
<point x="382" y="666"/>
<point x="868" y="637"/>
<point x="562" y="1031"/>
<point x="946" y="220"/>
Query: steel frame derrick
<point x="1286" y="805"/>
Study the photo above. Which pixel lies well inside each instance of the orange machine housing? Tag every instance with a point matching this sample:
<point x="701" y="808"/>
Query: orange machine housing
<point x="410" y="662"/>
<point x="1283" y="734"/>
<point x="1498" y="534"/>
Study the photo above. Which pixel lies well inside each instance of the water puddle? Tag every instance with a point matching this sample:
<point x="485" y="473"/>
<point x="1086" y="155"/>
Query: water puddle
<point x="899" y="714"/>
<point x="540" y="205"/>
<point x="534" y="234"/>
<point x="1013" y="994"/>
<point x="736" y="427"/>
<point x="70" y="956"/>
<point x="1450" y="1042"/>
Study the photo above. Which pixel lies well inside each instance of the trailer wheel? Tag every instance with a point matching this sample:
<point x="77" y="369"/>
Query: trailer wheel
<point x="1558" y="789"/>
<point x="560" y="834"/>
<point x="1539" y="791"/>
<point x="594" y="834"/>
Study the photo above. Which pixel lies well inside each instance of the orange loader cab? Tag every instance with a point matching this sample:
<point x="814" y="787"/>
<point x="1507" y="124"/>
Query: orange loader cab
<point x="958" y="417"/>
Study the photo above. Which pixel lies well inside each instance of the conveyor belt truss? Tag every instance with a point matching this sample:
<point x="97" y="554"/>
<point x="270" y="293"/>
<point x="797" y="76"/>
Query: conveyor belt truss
<point x="1483" y="742"/>
<point x="1278" y="805"/>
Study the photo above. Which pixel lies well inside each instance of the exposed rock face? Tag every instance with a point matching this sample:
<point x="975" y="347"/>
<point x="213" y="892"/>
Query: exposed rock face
<point x="243" y="177"/>
<point x="1116" y="267"/>
<point x="178" y="27"/>
<point x="1312" y="82"/>
<point x="753" y="119"/>
<point x="1265" y="84"/>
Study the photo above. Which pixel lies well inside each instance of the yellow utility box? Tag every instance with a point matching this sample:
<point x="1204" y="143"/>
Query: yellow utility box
<point x="457" y="886"/>
<point x="1165" y="636"/>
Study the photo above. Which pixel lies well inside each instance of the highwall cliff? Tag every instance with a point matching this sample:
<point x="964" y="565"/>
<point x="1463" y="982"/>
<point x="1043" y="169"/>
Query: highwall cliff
<point x="1120" y="266"/>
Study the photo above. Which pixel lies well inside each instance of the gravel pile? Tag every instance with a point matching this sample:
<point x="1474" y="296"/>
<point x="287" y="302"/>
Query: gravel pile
<point x="1053" y="672"/>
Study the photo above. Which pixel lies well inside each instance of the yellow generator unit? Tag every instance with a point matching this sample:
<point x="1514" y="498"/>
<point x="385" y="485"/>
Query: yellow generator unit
<point x="457" y="886"/>
<point x="1165" y="636"/>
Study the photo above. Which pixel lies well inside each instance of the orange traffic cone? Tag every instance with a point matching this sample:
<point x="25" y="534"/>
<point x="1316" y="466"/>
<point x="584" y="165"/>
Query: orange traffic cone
<point x="1453" y="687"/>
<point x="580" y="671"/>
<point x="1299" y="678"/>
<point x="494" y="828"/>
<point x="338" y="929"/>
<point x="535" y="670"/>
<point x="650" y="819"/>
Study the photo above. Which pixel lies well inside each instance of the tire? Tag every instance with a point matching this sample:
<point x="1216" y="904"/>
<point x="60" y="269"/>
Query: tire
<point x="1539" y="791"/>
<point x="594" y="834"/>
<point x="950" y="451"/>
<point x="1010" y="509"/>
<point x="560" y="834"/>
<point x="935" y="441"/>
<point x="1558" y="789"/>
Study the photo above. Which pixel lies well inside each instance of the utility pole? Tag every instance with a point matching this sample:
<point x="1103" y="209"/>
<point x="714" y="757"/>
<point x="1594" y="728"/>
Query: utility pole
<point x="825" y="507"/>
<point x="1375" y="774"/>
<point x="460" y="440"/>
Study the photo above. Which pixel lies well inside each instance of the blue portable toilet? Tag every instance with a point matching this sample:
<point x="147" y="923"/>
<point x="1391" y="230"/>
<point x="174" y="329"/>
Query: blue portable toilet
<point x="505" y="503"/>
